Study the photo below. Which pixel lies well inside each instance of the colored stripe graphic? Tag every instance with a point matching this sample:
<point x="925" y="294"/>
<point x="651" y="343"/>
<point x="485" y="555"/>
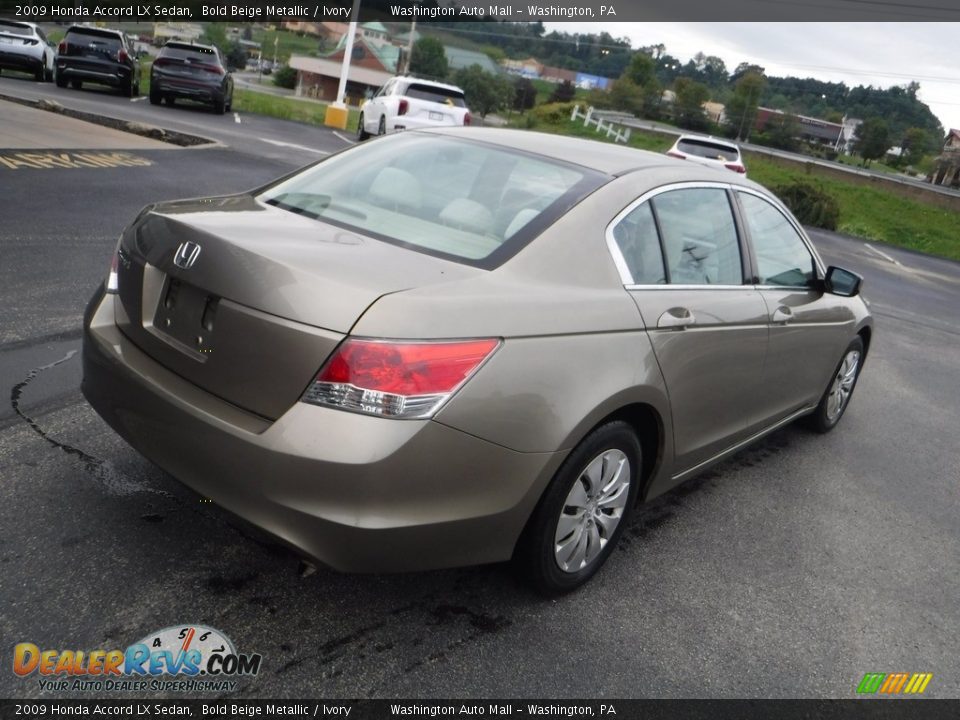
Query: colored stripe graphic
<point x="894" y="683"/>
<point x="870" y="683"/>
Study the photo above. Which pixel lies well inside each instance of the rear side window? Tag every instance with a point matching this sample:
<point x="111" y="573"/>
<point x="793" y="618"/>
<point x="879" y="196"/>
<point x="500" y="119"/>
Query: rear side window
<point x="699" y="237"/>
<point x="636" y="236"/>
<point x="704" y="149"/>
<point x="782" y="257"/>
<point x="9" y="28"/>
<point x="436" y="94"/>
<point x="681" y="237"/>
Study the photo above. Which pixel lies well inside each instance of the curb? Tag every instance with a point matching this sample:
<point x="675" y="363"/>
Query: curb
<point x="174" y="137"/>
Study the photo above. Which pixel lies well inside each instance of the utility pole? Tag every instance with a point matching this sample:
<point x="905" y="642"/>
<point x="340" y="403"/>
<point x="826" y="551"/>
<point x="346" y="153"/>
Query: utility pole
<point x="413" y="31"/>
<point x="337" y="113"/>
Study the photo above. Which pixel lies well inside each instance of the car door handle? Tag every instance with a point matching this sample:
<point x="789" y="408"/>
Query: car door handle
<point x="782" y="314"/>
<point x="678" y="318"/>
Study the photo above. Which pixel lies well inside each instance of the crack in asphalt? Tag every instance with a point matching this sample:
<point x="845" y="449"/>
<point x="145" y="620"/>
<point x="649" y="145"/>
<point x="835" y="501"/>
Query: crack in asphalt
<point x="102" y="470"/>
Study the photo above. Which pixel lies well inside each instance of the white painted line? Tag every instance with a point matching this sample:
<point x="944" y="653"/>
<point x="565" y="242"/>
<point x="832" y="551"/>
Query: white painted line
<point x="295" y="147"/>
<point x="345" y="139"/>
<point x="138" y="99"/>
<point x="881" y="253"/>
<point x="236" y="118"/>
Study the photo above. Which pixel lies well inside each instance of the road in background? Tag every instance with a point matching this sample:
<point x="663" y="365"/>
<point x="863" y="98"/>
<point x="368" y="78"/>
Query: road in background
<point x="789" y="571"/>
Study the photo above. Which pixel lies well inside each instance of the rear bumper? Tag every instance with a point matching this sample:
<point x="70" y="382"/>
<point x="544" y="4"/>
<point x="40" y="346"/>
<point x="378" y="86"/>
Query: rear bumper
<point x="188" y="90"/>
<point x="19" y="61"/>
<point x="106" y="75"/>
<point x="357" y="493"/>
<point x="404" y="122"/>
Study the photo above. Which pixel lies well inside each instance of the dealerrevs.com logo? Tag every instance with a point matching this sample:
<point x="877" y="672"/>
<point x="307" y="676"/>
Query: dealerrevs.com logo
<point x="182" y="658"/>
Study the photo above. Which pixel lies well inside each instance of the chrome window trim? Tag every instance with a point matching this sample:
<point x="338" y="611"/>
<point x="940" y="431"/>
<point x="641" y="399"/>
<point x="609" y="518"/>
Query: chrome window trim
<point x="804" y="238"/>
<point x="614" y="248"/>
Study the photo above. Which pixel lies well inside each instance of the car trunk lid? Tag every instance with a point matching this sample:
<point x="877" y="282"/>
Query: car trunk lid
<point x="247" y="300"/>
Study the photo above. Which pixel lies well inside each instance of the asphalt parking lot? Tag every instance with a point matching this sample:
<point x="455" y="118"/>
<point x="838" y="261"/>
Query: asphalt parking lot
<point x="789" y="571"/>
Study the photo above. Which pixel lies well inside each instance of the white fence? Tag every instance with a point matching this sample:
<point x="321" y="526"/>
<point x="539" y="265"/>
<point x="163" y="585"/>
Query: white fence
<point x="592" y="117"/>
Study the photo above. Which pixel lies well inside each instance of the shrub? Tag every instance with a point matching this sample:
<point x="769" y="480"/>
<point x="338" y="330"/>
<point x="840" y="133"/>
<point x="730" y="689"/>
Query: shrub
<point x="553" y="113"/>
<point x="810" y="204"/>
<point x="285" y="77"/>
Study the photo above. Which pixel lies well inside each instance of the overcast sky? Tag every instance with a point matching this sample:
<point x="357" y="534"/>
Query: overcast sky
<point x="879" y="54"/>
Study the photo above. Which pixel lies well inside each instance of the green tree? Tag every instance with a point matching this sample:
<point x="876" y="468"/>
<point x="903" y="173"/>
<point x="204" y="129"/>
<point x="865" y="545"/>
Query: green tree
<point x="215" y="34"/>
<point x="564" y="92"/>
<point x="485" y="93"/>
<point x="285" y="77"/>
<point x="524" y="94"/>
<point x="429" y="59"/>
<point x="742" y="107"/>
<point x="916" y="143"/>
<point x="872" y="139"/>
<point x="688" y="105"/>
<point x="626" y="96"/>
<point x="236" y="57"/>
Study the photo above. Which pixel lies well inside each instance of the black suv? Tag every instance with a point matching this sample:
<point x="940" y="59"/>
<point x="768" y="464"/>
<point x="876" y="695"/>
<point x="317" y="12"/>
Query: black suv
<point x="98" y="55"/>
<point x="193" y="72"/>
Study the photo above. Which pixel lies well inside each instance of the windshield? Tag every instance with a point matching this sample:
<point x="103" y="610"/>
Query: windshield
<point x="706" y="149"/>
<point x="467" y="201"/>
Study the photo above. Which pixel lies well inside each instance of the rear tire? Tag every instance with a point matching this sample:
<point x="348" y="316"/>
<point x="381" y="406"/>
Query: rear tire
<point x="76" y="84"/>
<point x="382" y="127"/>
<point x="40" y="73"/>
<point x="361" y="133"/>
<point x="219" y="106"/>
<point x="583" y="512"/>
<point x="155" y="97"/>
<point x="61" y="81"/>
<point x="836" y="398"/>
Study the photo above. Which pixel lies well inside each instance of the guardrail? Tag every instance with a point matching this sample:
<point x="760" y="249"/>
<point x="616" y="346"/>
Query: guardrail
<point x="596" y="119"/>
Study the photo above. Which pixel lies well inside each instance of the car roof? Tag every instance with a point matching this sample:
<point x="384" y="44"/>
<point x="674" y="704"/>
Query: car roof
<point x="608" y="158"/>
<point x="104" y="32"/>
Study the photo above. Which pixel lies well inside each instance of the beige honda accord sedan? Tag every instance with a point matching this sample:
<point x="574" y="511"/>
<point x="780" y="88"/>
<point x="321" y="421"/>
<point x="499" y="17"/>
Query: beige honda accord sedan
<point x="465" y="346"/>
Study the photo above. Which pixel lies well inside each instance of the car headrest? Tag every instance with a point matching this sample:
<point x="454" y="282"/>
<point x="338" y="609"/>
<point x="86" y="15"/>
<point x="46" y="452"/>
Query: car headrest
<point x="467" y="215"/>
<point x="396" y="188"/>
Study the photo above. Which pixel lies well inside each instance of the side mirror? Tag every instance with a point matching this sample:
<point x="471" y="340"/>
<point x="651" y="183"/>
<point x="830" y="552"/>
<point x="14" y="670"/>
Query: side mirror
<point x="842" y="282"/>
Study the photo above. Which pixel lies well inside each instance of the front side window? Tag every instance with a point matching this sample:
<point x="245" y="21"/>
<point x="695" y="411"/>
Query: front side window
<point x="782" y="257"/>
<point x="699" y="237"/>
<point x="463" y="200"/>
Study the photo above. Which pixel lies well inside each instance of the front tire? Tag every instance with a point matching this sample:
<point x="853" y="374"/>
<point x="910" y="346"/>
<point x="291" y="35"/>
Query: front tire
<point x="76" y="84"/>
<point x="583" y="512"/>
<point x="155" y="97"/>
<point x="219" y="106"/>
<point x="362" y="134"/>
<point x="382" y="127"/>
<point x="61" y="81"/>
<point x="836" y="397"/>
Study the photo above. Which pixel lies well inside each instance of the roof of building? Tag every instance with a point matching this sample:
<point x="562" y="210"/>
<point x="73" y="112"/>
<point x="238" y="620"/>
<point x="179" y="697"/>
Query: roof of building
<point x="331" y="68"/>
<point x="375" y="27"/>
<point x="388" y="55"/>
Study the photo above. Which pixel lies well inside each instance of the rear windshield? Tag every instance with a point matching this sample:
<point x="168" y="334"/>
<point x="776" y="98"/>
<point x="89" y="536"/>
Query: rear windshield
<point x="707" y="149"/>
<point x="10" y="28"/>
<point x="190" y="54"/>
<point x="100" y="41"/>
<point x="463" y="200"/>
<point x="436" y="94"/>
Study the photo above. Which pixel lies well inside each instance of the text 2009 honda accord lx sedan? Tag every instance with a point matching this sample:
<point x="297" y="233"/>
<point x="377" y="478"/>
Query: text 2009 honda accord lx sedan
<point x="462" y="346"/>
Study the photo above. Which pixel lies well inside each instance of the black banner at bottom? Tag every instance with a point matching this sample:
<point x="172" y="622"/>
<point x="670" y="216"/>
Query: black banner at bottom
<point x="892" y="709"/>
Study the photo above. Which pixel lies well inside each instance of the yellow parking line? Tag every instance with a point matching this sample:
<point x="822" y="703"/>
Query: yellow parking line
<point x="51" y="160"/>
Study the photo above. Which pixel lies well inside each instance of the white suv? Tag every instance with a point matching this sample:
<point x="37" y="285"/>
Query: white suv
<point x="23" y="46"/>
<point x="407" y="103"/>
<point x="708" y="151"/>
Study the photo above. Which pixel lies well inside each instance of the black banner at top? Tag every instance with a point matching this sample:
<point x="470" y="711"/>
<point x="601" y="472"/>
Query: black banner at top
<point x="577" y="11"/>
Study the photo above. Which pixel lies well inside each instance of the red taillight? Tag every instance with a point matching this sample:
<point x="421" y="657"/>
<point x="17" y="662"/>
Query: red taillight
<point x="672" y="153"/>
<point x="466" y="119"/>
<point x="397" y="379"/>
<point x="736" y="167"/>
<point x="122" y="55"/>
<point x="62" y="47"/>
<point x="215" y="69"/>
<point x="404" y="106"/>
